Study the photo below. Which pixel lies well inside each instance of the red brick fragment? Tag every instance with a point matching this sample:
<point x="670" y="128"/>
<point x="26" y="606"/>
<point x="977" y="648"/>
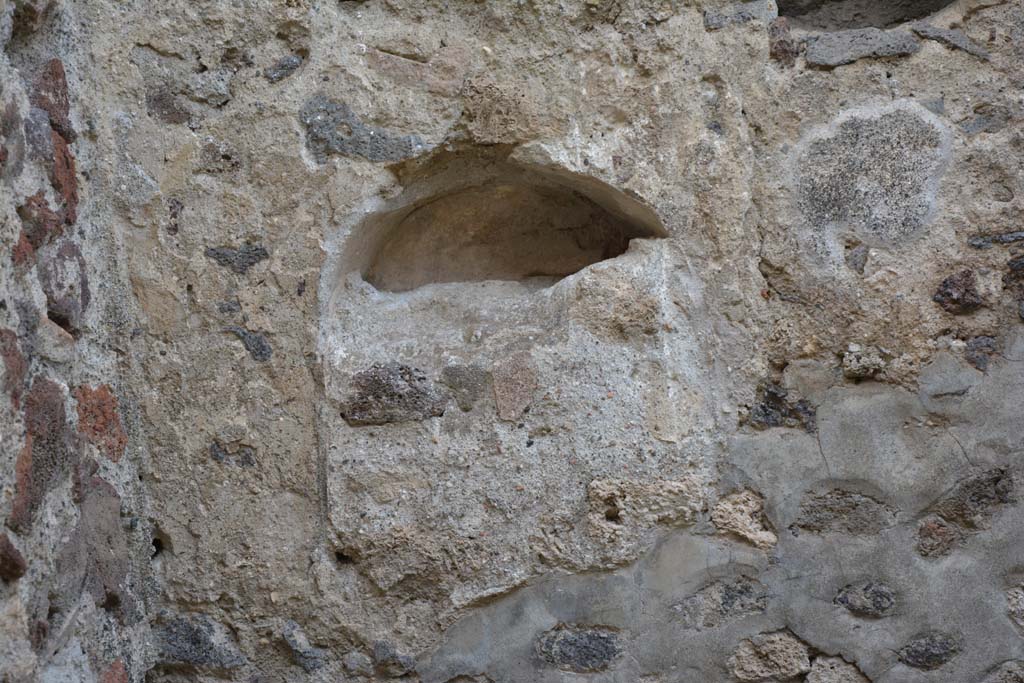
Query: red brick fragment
<point x="50" y="93"/>
<point x="99" y="421"/>
<point x="63" y="177"/>
<point x="22" y="254"/>
<point x="12" y="563"/>
<point x="115" y="673"/>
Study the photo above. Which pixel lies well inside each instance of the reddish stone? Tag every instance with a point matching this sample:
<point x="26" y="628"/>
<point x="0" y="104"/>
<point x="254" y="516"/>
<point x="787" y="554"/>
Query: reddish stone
<point x="99" y="421"/>
<point x="63" y="177"/>
<point x="3" y="157"/>
<point x="12" y="563"/>
<point x="29" y="16"/>
<point x="23" y="253"/>
<point x="39" y="222"/>
<point x="115" y="673"/>
<point x="49" y="453"/>
<point x="50" y="93"/>
<point x="15" y="364"/>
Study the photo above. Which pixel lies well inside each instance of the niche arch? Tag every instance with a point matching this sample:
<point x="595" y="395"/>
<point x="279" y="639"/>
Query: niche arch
<point x="477" y="215"/>
<point x="837" y="15"/>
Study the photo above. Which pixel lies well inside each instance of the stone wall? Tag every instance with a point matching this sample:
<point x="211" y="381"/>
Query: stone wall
<point x="520" y="341"/>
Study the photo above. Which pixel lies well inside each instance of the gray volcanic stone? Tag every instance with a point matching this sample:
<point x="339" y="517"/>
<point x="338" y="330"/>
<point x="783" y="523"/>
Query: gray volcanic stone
<point x="332" y="128"/>
<point x="740" y="13"/>
<point x="830" y="50"/>
<point x="392" y="392"/>
<point x="929" y="650"/>
<point x="196" y="641"/>
<point x="868" y="599"/>
<point x="839" y="511"/>
<point x="239" y="260"/>
<point x="308" y="657"/>
<point x="953" y="38"/>
<point x="582" y="649"/>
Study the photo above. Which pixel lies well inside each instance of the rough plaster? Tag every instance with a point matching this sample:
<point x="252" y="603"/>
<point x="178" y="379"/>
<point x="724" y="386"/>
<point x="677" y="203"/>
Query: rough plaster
<point x="727" y="387"/>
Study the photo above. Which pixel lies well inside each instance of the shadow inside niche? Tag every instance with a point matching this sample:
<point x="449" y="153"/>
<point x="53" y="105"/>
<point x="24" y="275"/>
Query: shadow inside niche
<point x="470" y="218"/>
<point x="836" y="15"/>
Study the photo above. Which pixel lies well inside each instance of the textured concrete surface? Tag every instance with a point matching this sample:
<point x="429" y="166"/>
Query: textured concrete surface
<point x="600" y="340"/>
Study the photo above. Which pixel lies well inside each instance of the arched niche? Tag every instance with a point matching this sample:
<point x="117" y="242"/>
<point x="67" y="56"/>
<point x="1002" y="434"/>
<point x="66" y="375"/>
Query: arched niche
<point x="478" y="216"/>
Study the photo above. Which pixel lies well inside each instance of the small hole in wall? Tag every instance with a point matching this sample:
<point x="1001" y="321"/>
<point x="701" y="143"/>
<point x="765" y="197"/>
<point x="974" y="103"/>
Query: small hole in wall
<point x="837" y="15"/>
<point x="158" y="547"/>
<point x="343" y="558"/>
<point x="613" y="514"/>
<point x="62" y="321"/>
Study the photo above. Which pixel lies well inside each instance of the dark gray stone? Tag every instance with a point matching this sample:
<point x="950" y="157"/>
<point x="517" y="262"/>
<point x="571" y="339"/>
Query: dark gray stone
<point x="972" y="502"/>
<point x="283" y="68"/>
<point x="239" y="260"/>
<point x="240" y="455"/>
<point x="979" y="351"/>
<point x="843" y="512"/>
<point x="196" y="641"/>
<point x="256" y="344"/>
<point x="989" y="241"/>
<point x="740" y="13"/>
<point x="389" y="662"/>
<point x="870" y="599"/>
<point x="582" y="649"/>
<point x="332" y="128"/>
<point x="953" y="38"/>
<point x="392" y="392"/>
<point x="830" y="50"/>
<point x="774" y="408"/>
<point x="958" y="293"/>
<point x="308" y="657"/>
<point x="929" y="650"/>
<point x="722" y="602"/>
<point x="857" y="258"/>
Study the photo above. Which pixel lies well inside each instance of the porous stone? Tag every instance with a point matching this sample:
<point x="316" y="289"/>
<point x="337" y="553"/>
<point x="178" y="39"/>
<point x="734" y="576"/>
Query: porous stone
<point x="740" y="13"/>
<point x="952" y="38"/>
<point x="770" y="656"/>
<point x="515" y="382"/>
<point x="577" y="648"/>
<point x="99" y="420"/>
<point x="333" y="128"/>
<point x="834" y="49"/>
<point x="1015" y="604"/>
<point x="742" y="514"/>
<point x="392" y="392"/>
<point x="834" y="670"/>
<point x="929" y="650"/>
<point x="196" y="642"/>
<point x="850" y="173"/>
<point x="239" y="260"/>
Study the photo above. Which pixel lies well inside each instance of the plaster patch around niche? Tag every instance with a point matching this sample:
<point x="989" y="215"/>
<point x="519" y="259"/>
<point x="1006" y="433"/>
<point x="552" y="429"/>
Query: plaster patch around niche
<point x="872" y="174"/>
<point x="472" y="398"/>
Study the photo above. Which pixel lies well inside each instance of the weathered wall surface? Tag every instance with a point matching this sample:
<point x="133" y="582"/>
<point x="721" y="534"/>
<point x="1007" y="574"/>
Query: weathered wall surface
<point x="607" y="340"/>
